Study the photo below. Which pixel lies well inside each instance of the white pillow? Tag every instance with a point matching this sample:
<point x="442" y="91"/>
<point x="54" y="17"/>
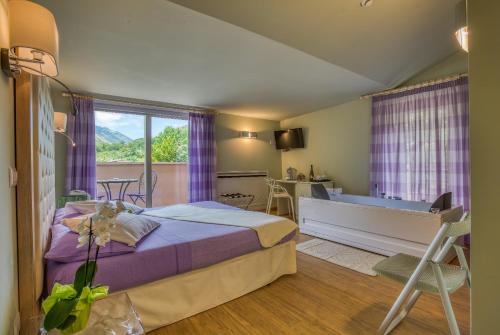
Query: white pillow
<point x="129" y="228"/>
<point x="82" y="207"/>
<point x="88" y="206"/>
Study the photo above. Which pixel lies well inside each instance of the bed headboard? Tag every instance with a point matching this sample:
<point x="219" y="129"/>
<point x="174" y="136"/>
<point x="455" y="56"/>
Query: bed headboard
<point x="35" y="190"/>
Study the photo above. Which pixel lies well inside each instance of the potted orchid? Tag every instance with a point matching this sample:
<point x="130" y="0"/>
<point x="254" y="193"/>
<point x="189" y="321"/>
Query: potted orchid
<point x="67" y="308"/>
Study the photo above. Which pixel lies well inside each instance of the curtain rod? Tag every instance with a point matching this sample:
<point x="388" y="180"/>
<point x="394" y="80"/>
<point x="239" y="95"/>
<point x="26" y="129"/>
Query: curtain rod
<point x="137" y="102"/>
<point x="411" y="87"/>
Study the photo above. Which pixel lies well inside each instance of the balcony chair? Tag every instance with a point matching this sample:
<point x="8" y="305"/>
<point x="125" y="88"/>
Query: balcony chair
<point x="428" y="274"/>
<point x="140" y="195"/>
<point x="278" y="192"/>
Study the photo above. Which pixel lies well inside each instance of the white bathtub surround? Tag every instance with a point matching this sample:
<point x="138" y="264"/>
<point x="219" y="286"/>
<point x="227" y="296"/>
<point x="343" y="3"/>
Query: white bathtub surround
<point x="383" y="230"/>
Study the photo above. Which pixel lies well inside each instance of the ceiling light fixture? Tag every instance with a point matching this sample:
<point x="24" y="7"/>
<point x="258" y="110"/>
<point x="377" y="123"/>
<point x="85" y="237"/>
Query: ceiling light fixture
<point x="34" y="43"/>
<point x="461" y="30"/>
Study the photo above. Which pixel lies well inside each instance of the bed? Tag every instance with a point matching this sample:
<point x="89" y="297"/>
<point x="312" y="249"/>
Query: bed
<point x="225" y="262"/>
<point x="183" y="268"/>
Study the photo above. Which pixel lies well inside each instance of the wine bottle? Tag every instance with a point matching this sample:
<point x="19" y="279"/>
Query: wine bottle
<point x="311" y="174"/>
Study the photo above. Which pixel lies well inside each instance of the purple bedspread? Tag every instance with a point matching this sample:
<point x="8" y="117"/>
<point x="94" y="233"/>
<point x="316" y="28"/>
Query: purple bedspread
<point x="174" y="247"/>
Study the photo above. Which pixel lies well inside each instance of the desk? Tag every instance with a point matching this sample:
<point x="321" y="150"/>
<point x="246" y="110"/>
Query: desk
<point x="297" y="189"/>
<point x="124" y="184"/>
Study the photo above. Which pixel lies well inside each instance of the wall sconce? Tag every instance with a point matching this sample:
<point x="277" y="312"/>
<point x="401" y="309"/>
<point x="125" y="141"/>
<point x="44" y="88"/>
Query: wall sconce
<point x="60" y="121"/>
<point x="461" y="30"/>
<point x="248" y="134"/>
<point x="34" y="43"/>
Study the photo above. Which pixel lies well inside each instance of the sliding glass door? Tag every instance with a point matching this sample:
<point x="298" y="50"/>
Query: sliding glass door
<point x="169" y="157"/>
<point x="141" y="158"/>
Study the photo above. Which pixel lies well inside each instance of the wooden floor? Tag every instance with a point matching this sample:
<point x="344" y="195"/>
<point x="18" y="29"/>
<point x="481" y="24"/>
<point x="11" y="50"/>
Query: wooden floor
<point x="322" y="298"/>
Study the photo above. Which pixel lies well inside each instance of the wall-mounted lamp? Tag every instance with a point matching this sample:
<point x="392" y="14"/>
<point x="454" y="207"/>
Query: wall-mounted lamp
<point x="248" y="134"/>
<point x="60" y="121"/>
<point x="461" y="30"/>
<point x="34" y="43"/>
<point x="366" y="3"/>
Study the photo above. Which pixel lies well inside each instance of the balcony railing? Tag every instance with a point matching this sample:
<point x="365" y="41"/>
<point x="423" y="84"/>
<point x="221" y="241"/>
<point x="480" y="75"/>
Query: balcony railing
<point x="171" y="187"/>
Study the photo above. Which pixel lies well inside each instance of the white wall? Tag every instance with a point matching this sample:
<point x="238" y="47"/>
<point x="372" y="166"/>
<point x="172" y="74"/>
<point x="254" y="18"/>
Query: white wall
<point x="337" y="143"/>
<point x="8" y="238"/>
<point x="239" y="154"/>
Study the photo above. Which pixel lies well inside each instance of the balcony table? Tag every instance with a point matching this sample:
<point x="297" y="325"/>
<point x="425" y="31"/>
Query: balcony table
<point x="123" y="182"/>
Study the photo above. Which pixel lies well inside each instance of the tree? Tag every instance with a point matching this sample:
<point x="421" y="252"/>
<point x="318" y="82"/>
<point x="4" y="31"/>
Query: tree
<point x="129" y="152"/>
<point x="171" y="145"/>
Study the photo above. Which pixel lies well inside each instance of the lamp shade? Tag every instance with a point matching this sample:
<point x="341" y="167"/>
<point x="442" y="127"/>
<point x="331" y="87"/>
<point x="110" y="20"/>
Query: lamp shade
<point x="461" y="30"/>
<point x="60" y="120"/>
<point x="34" y="36"/>
<point x="462" y="36"/>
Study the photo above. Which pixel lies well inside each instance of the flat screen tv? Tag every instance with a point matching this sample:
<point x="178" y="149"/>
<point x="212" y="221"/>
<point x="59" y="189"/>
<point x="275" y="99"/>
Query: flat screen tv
<point x="289" y="139"/>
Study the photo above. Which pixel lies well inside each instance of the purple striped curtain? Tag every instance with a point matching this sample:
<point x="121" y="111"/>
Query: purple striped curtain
<point x="81" y="160"/>
<point x="201" y="157"/>
<point x="420" y="143"/>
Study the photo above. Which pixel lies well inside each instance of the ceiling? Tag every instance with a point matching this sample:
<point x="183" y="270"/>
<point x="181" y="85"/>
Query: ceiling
<point x="387" y="42"/>
<point x="256" y="58"/>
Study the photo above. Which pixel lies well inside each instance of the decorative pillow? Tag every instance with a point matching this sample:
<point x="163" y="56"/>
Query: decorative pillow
<point x="131" y="228"/>
<point x="81" y="207"/>
<point x="63" y="247"/>
<point x="88" y="207"/>
<point x="60" y="215"/>
<point x="131" y="207"/>
<point x="72" y="222"/>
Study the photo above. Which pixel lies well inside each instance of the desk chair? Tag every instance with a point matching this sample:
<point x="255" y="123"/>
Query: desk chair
<point x="279" y="192"/>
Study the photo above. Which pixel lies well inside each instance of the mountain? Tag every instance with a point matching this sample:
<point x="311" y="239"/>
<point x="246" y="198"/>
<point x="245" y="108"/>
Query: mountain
<point x="106" y="135"/>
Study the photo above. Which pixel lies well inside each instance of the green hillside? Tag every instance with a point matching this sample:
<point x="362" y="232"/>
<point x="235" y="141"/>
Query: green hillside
<point x="106" y="135"/>
<point x="171" y="145"/>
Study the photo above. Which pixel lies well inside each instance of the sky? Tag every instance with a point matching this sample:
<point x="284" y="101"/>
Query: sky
<point x="133" y="125"/>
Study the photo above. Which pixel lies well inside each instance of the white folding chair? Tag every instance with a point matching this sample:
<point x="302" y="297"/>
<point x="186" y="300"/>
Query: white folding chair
<point x="428" y="274"/>
<point x="279" y="192"/>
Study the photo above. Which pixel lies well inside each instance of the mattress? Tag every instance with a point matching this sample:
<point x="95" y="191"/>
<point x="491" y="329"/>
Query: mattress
<point x="173" y="248"/>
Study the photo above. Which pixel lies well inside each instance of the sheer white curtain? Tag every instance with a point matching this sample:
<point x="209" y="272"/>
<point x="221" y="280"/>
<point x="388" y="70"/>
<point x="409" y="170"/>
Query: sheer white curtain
<point x="420" y="143"/>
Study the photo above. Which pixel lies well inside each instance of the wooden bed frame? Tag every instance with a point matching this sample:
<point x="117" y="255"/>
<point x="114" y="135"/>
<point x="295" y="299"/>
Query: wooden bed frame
<point x="35" y="191"/>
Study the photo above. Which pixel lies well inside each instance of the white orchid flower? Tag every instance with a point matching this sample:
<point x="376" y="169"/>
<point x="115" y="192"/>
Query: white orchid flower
<point x="102" y="239"/>
<point x="98" y="227"/>
<point x="102" y="231"/>
<point x="83" y="240"/>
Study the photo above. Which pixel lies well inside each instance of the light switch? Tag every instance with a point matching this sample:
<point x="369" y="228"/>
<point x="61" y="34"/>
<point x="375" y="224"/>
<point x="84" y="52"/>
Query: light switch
<point x="12" y="176"/>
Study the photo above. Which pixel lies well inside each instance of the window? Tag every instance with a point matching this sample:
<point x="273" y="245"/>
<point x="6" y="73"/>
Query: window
<point x="122" y="140"/>
<point x="420" y="143"/>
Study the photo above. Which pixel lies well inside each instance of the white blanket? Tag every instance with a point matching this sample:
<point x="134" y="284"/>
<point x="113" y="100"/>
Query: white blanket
<point x="270" y="229"/>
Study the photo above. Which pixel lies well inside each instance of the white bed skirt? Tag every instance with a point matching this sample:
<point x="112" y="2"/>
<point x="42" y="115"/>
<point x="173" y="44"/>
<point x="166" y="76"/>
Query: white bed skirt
<point x="175" y="298"/>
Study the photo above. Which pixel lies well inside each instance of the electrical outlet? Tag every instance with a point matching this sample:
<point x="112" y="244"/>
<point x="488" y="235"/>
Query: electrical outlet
<point x="12" y="176"/>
